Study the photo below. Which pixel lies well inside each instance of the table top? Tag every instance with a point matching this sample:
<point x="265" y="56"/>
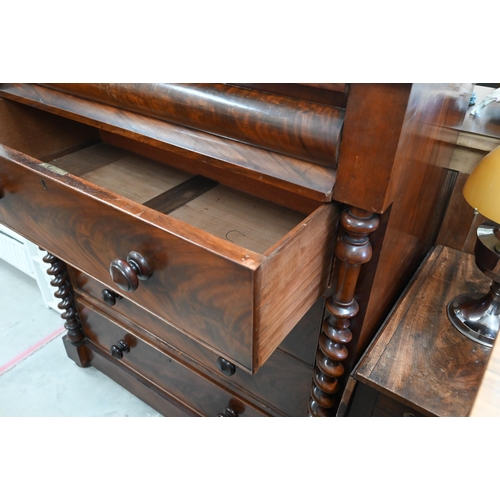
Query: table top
<point x="419" y="358"/>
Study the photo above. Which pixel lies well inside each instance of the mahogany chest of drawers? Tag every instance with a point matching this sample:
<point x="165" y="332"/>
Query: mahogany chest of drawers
<point x="227" y="249"/>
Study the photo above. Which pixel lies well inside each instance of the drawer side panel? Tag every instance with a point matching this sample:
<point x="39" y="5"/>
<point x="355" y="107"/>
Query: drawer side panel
<point x="292" y="279"/>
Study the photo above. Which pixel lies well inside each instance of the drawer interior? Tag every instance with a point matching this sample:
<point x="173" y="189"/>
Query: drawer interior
<point x="249" y="222"/>
<point x="231" y="270"/>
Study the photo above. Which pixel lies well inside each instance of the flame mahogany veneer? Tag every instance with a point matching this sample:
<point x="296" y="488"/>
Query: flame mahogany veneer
<point x="259" y="233"/>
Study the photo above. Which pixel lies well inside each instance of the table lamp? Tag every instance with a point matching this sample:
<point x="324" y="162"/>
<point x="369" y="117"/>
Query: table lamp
<point x="477" y="315"/>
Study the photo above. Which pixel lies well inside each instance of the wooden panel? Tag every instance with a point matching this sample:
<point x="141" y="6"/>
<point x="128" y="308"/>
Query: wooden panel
<point x="139" y="386"/>
<point x="136" y="178"/>
<point x="423" y="187"/>
<point x="40" y="134"/>
<point x="389" y="126"/>
<point x="471" y="150"/>
<point x="282" y="384"/>
<point x="203" y="284"/>
<point x="333" y="94"/>
<point x="293" y="278"/>
<point x="419" y="358"/>
<point x="243" y="219"/>
<point x="280" y="196"/>
<point x="297" y="128"/>
<point x="193" y="286"/>
<point x="460" y="223"/>
<point x="372" y="127"/>
<point x="367" y="402"/>
<point x="388" y="407"/>
<point x="189" y="387"/>
<point x="302" y="341"/>
<point x="215" y="157"/>
<point x="183" y="193"/>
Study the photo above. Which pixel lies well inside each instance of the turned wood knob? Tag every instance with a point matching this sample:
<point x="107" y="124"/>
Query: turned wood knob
<point x="226" y="367"/>
<point x="126" y="274"/>
<point x="110" y="297"/>
<point x="118" y="349"/>
<point x="228" y="412"/>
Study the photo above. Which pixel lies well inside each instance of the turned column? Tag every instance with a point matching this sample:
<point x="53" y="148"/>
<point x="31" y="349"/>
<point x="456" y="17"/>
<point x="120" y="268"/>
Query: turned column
<point x="353" y="250"/>
<point x="74" y="340"/>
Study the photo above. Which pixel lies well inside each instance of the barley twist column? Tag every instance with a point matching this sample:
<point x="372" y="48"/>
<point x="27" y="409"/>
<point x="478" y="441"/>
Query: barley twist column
<point x="353" y="250"/>
<point x="75" y="340"/>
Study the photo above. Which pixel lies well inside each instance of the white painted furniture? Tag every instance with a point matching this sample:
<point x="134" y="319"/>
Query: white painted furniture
<point x="27" y="257"/>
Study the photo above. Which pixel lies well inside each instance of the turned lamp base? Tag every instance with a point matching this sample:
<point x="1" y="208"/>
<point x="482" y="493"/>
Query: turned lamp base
<point x="477" y="315"/>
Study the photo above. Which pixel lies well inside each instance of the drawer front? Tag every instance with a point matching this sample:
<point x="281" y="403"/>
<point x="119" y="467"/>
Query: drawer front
<point x="388" y="407"/>
<point x="208" y="295"/>
<point x="135" y="385"/>
<point x="284" y="382"/>
<point x="239" y="302"/>
<point x="368" y="401"/>
<point x="189" y="387"/>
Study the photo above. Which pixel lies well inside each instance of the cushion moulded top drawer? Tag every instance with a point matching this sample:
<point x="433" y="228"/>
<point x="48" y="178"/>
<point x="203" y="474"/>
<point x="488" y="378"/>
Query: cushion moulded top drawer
<point x="233" y="272"/>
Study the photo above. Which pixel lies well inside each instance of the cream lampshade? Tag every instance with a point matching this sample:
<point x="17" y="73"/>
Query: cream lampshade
<point x="477" y="315"/>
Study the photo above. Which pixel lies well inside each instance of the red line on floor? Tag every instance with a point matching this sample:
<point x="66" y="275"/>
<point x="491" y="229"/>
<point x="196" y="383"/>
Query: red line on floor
<point x="20" y="357"/>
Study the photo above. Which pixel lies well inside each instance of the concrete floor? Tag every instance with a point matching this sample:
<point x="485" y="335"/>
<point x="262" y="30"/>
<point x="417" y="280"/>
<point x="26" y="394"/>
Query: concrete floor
<point x="37" y="379"/>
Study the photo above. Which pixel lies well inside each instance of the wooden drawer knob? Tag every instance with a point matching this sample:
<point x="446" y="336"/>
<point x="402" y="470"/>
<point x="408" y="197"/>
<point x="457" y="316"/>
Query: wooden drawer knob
<point x="126" y="274"/>
<point x="225" y="366"/>
<point x="110" y="297"/>
<point x="228" y="412"/>
<point x="118" y="349"/>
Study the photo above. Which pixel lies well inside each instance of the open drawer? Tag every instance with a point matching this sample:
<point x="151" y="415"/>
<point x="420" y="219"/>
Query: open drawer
<point x="232" y="271"/>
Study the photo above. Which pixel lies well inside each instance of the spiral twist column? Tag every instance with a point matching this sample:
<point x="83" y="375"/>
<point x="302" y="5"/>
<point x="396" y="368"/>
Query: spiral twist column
<point x="75" y="339"/>
<point x="353" y="250"/>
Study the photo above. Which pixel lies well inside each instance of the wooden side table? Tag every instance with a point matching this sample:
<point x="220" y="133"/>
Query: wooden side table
<point x="419" y="364"/>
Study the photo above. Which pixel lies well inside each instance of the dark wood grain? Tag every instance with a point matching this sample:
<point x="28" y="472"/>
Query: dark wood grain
<point x="180" y="195"/>
<point x="388" y="407"/>
<point x="295" y="199"/>
<point x="282" y="384"/>
<point x="180" y="268"/>
<point x="142" y="388"/>
<point x="380" y="136"/>
<point x="363" y="175"/>
<point x="241" y="303"/>
<point x="460" y="223"/>
<point x="195" y="390"/>
<point x="211" y="153"/>
<point x="333" y="94"/>
<point x="215" y="297"/>
<point x="302" y="341"/>
<point x="298" y="128"/>
<point x="40" y="134"/>
<point x="419" y="357"/>
<point x="75" y="341"/>
<point x="419" y="190"/>
<point x="353" y="250"/>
